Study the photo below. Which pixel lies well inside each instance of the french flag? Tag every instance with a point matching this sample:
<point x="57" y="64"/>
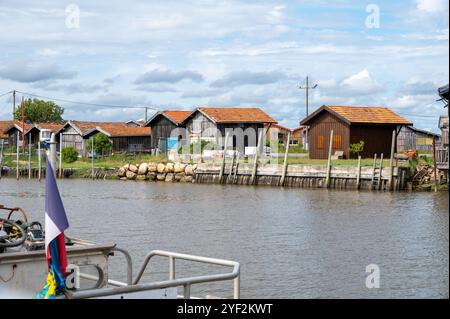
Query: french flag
<point x="55" y="224"/>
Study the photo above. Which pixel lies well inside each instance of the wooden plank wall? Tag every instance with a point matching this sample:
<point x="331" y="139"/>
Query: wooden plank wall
<point x="319" y="136"/>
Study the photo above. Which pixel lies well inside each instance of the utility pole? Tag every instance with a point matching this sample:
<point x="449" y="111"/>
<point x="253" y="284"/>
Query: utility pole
<point x="307" y="88"/>
<point x="14" y="103"/>
<point x="146" y="111"/>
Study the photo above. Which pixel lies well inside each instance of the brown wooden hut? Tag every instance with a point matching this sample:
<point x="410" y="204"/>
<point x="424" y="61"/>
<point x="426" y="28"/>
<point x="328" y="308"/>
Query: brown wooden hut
<point x="162" y="124"/>
<point x="351" y="124"/>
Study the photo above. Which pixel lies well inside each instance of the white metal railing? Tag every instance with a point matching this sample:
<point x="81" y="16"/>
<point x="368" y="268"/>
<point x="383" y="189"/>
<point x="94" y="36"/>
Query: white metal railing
<point x="186" y="283"/>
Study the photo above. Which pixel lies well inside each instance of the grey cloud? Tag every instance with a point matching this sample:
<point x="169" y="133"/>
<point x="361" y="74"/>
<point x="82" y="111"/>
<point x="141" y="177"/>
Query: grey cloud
<point x="156" y="88"/>
<point x="111" y="80"/>
<point x="420" y="88"/>
<point x="167" y="76"/>
<point x="27" y="72"/>
<point x="247" y="77"/>
<point x="201" y="93"/>
<point x="71" y="87"/>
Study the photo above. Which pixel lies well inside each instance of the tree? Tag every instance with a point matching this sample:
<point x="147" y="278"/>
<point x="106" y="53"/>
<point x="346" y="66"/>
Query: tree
<point x="356" y="148"/>
<point x="102" y="144"/>
<point x="40" y="111"/>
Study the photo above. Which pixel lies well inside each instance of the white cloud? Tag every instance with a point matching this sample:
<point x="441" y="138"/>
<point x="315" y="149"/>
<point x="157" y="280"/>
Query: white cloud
<point x="361" y="83"/>
<point x="432" y="6"/>
<point x="49" y="52"/>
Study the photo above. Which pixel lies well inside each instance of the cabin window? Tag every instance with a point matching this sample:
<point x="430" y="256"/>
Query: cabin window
<point x="337" y="141"/>
<point x="320" y="142"/>
<point x="424" y="141"/>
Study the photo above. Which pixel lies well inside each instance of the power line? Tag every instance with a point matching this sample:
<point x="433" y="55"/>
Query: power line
<point x="87" y="103"/>
<point x="6" y="93"/>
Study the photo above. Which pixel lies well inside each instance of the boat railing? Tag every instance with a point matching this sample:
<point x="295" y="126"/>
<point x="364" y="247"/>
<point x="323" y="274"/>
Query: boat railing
<point x="186" y="282"/>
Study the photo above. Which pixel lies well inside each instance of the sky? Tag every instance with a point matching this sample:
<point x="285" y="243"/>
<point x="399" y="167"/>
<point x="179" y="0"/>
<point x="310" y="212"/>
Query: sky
<point x="185" y="54"/>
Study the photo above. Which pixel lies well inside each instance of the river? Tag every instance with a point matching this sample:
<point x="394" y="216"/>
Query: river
<point x="291" y="243"/>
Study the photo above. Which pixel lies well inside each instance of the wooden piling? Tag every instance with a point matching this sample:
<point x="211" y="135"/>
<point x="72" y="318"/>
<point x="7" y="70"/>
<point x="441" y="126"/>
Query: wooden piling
<point x="1" y="157"/>
<point x="327" y="180"/>
<point x="92" y="155"/>
<point x="60" y="159"/>
<point x="285" y="165"/>
<point x="434" y="164"/>
<point x="231" y="168"/>
<point x="236" y="168"/>
<point x="39" y="161"/>
<point x="380" y="173"/>
<point x="255" y="163"/>
<point x="358" y="177"/>
<point x="374" y="169"/>
<point x="29" y="156"/>
<point x="391" y="162"/>
<point x="17" y="156"/>
<point x="222" y="168"/>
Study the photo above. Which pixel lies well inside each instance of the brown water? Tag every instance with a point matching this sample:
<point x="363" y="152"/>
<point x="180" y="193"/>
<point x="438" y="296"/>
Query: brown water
<point x="291" y="243"/>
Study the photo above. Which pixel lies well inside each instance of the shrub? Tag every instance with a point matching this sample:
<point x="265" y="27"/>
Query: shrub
<point x="356" y="148"/>
<point x="69" y="154"/>
<point x="102" y="144"/>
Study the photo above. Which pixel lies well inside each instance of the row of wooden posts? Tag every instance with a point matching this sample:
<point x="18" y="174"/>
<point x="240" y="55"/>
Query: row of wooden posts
<point x="328" y="168"/>
<point x="60" y="170"/>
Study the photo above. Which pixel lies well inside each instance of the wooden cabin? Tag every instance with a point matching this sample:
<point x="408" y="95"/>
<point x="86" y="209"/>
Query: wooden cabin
<point x="72" y="134"/>
<point x="4" y="136"/>
<point x="352" y="124"/>
<point x="134" y="123"/>
<point x="34" y="131"/>
<point x="411" y="138"/>
<point x="298" y="136"/>
<point x="14" y="131"/>
<point x="443" y="126"/>
<point x="124" y="138"/>
<point x="209" y="124"/>
<point x="162" y="124"/>
<point x="276" y="132"/>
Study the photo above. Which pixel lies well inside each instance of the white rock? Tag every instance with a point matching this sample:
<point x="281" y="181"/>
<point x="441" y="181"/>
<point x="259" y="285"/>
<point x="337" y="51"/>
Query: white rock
<point x="160" y="168"/>
<point x="133" y="168"/>
<point x="169" y="168"/>
<point x="143" y="169"/>
<point x="130" y="175"/>
<point x="179" y="168"/>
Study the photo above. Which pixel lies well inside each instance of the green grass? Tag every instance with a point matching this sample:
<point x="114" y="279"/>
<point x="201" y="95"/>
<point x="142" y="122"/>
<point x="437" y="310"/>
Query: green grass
<point x="114" y="161"/>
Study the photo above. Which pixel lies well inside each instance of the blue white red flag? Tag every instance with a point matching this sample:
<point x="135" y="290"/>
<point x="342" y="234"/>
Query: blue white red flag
<point x="55" y="244"/>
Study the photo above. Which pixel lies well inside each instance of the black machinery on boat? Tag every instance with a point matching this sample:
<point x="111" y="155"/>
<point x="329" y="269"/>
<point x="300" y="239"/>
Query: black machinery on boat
<point x="17" y="231"/>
